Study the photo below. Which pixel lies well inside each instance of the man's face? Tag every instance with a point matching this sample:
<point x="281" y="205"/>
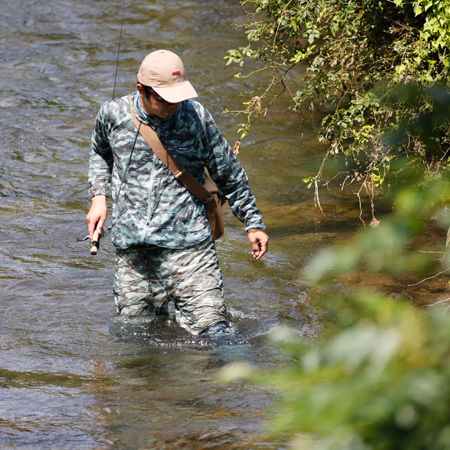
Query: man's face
<point x="156" y="105"/>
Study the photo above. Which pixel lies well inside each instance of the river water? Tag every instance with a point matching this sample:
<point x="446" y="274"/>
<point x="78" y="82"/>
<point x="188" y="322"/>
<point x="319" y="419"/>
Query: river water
<point x="69" y="375"/>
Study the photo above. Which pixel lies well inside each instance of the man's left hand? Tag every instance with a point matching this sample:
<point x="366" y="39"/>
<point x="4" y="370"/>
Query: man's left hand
<point x="259" y="240"/>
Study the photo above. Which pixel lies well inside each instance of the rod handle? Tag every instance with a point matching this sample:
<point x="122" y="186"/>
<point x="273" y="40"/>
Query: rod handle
<point x="95" y="242"/>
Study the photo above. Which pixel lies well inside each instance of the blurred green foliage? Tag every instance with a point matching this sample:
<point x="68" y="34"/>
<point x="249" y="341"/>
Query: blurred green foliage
<point x="354" y="56"/>
<point x="381" y="378"/>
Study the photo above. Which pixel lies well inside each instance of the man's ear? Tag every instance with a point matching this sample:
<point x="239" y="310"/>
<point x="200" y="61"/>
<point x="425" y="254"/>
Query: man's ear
<point x="141" y="90"/>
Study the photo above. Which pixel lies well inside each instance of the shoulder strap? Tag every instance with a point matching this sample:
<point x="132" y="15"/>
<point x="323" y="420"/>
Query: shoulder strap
<point x="179" y="172"/>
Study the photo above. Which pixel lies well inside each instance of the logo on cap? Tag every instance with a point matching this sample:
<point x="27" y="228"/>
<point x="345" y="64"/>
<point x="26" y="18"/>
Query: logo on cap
<point x="176" y="73"/>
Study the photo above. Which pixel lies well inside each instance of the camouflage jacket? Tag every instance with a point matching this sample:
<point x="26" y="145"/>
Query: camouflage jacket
<point x="149" y="206"/>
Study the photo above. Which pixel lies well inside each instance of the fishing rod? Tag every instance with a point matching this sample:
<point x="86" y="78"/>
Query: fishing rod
<point x="95" y="241"/>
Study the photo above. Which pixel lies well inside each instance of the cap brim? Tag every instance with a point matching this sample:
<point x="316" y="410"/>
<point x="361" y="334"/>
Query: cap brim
<point x="178" y="93"/>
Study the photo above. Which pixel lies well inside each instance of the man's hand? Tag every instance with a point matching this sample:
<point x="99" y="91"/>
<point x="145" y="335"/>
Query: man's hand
<point x="259" y="240"/>
<point x="97" y="214"/>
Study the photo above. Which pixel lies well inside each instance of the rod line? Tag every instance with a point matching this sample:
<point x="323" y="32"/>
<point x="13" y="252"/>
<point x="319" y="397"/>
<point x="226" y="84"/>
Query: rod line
<point x="118" y="49"/>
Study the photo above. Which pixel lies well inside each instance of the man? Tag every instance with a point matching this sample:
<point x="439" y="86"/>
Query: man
<point x="165" y="250"/>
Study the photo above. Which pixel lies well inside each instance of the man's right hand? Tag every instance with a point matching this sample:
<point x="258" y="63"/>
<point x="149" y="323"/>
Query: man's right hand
<point x="96" y="216"/>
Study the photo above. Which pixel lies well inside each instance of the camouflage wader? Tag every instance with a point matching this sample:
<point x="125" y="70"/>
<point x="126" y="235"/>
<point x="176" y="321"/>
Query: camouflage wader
<point x="147" y="277"/>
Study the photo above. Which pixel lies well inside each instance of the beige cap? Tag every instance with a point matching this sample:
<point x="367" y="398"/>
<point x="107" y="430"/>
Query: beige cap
<point x="163" y="71"/>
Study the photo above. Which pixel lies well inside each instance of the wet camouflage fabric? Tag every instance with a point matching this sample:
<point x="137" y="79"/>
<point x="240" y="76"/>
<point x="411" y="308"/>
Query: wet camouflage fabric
<point x="148" y="205"/>
<point x="148" y="277"/>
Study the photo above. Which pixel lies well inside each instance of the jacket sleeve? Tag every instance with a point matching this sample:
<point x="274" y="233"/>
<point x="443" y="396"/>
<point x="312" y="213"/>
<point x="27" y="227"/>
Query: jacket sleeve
<point x="226" y="170"/>
<point x="101" y="158"/>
